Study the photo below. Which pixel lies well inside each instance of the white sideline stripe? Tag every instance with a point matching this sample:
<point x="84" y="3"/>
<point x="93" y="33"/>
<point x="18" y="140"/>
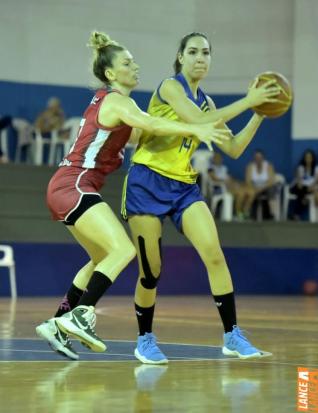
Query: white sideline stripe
<point x="106" y="355"/>
<point x="232" y="359"/>
<point x="122" y="341"/>
<point x="77" y="183"/>
<point x="164" y="342"/>
<point x="94" y="148"/>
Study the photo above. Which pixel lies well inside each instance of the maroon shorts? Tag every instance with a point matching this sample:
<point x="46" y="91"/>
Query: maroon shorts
<point x="68" y="188"/>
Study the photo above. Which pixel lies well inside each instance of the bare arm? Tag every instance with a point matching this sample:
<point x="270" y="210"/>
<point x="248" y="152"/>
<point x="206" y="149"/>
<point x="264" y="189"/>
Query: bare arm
<point x="271" y="173"/>
<point x="238" y="143"/>
<point x="299" y="175"/>
<point x="135" y="136"/>
<point x="248" y="175"/>
<point x="173" y="93"/>
<point x="118" y="109"/>
<point x="39" y="123"/>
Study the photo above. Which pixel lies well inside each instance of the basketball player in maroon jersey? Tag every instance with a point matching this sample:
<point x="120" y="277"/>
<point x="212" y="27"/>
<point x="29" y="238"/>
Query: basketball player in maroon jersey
<point x="73" y="198"/>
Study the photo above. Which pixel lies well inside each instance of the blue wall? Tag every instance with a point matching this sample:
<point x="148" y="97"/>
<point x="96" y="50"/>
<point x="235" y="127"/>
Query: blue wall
<point x="48" y="269"/>
<point x="28" y="100"/>
<point x="274" y="137"/>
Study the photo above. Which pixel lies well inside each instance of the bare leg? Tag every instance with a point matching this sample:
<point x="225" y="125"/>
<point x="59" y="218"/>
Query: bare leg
<point x="146" y="233"/>
<point x="203" y="236"/>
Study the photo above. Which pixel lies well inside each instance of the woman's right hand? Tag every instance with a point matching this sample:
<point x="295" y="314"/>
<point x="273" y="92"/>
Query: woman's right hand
<point x="264" y="93"/>
<point x="212" y="132"/>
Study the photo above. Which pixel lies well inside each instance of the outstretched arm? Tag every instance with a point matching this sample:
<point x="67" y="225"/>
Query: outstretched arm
<point x="135" y="136"/>
<point x="118" y="109"/>
<point x="238" y="143"/>
<point x="173" y="93"/>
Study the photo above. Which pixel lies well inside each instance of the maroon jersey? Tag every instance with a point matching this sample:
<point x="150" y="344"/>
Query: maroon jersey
<point x="97" y="147"/>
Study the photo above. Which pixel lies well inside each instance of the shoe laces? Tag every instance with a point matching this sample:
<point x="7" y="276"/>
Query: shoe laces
<point x="238" y="334"/>
<point x="149" y="341"/>
<point x="67" y="341"/>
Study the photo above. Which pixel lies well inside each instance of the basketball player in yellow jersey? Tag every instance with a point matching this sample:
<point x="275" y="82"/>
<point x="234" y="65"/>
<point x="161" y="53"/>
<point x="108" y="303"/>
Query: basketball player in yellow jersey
<point x="161" y="182"/>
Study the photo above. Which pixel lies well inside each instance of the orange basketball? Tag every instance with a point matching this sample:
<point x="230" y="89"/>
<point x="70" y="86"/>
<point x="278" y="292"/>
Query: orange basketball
<point x="275" y="109"/>
<point x="310" y="287"/>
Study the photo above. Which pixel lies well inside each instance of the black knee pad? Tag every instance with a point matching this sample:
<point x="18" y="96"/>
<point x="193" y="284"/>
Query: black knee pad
<point x="149" y="281"/>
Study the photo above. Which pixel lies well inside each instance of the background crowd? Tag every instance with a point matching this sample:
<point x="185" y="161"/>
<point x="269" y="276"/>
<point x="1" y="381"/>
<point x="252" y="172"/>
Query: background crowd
<point x="263" y="193"/>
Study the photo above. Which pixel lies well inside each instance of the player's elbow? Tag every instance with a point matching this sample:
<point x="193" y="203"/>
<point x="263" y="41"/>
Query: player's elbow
<point x="236" y="150"/>
<point x="235" y="154"/>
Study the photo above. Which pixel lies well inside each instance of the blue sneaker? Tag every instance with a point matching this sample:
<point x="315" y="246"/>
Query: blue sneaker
<point x="235" y="344"/>
<point x="147" y="350"/>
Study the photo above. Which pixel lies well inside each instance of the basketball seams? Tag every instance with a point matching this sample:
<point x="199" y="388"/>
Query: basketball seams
<point x="284" y="99"/>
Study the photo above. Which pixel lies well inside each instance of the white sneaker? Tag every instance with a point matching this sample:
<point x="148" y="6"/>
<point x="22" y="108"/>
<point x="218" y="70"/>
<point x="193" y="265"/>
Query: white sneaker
<point x="57" y="339"/>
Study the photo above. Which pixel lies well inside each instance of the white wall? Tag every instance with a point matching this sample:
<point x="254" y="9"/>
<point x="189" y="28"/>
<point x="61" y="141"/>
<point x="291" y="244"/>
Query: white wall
<point x="43" y="41"/>
<point x="305" y="69"/>
<point x="249" y="37"/>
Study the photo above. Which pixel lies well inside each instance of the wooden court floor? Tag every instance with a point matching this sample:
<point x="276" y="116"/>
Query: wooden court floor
<point x="197" y="379"/>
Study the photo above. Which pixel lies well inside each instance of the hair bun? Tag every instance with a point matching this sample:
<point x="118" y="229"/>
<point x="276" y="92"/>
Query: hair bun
<point x="99" y="40"/>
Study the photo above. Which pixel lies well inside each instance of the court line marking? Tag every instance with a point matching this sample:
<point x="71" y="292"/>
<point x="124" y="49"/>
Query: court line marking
<point x="93" y="354"/>
<point x="179" y="359"/>
<point x="255" y="360"/>
<point x="105" y="361"/>
<point x="115" y="341"/>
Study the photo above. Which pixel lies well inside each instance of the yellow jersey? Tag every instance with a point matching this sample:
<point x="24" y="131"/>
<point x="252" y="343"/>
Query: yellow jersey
<point x="170" y="156"/>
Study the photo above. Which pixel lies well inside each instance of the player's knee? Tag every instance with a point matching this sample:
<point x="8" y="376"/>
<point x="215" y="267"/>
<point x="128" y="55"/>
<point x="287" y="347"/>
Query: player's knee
<point x="153" y="268"/>
<point x="150" y="256"/>
<point x="213" y="257"/>
<point x="97" y="257"/>
<point x="129" y="250"/>
<point x="217" y="261"/>
<point x="90" y="266"/>
<point x="149" y="281"/>
<point x="125" y="249"/>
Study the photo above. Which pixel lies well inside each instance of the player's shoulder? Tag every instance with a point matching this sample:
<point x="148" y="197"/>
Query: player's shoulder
<point x="171" y="86"/>
<point x="115" y="99"/>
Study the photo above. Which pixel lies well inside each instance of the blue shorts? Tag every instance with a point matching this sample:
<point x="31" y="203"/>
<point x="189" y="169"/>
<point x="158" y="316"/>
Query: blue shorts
<point x="148" y="193"/>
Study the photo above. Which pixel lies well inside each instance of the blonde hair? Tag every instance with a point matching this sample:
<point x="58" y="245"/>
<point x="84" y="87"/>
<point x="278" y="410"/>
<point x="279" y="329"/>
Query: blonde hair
<point x="105" y="50"/>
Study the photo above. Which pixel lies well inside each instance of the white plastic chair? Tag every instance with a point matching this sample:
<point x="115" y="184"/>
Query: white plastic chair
<point x="71" y="124"/>
<point x="38" y="145"/>
<point x="8" y="261"/>
<point x="222" y="197"/>
<point x="24" y="131"/>
<point x="288" y="196"/>
<point x="277" y="204"/>
<point x="4" y="142"/>
<point x="201" y="162"/>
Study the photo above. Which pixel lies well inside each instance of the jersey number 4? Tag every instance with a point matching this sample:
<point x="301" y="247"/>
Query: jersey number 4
<point x="185" y="144"/>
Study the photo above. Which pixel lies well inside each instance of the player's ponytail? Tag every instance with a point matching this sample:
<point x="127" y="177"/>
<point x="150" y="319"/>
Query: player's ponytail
<point x="105" y="50"/>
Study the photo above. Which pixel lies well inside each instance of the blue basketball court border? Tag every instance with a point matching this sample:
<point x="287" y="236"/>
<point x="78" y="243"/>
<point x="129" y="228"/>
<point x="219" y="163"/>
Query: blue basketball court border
<point x="27" y="349"/>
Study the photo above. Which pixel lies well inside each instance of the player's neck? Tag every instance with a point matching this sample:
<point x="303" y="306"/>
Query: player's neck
<point x="124" y="90"/>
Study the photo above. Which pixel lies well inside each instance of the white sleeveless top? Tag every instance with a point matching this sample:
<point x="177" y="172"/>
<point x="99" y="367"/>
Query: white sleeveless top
<point x="306" y="178"/>
<point x="220" y="172"/>
<point x="259" y="178"/>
